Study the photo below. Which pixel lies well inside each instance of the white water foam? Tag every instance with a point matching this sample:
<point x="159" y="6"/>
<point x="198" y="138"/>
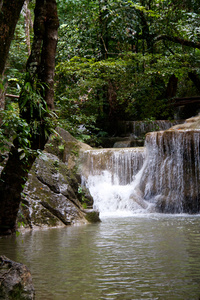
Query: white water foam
<point x="166" y="178"/>
<point x="111" y="199"/>
<point x="112" y="177"/>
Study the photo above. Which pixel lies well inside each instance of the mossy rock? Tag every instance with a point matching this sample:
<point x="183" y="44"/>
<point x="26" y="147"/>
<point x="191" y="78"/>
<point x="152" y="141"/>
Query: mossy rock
<point x="92" y="216"/>
<point x="15" y="281"/>
<point x="65" y="147"/>
<point x="51" y="195"/>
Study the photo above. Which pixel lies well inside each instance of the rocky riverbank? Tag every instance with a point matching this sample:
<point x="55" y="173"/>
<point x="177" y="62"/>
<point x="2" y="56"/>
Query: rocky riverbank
<point x="53" y="195"/>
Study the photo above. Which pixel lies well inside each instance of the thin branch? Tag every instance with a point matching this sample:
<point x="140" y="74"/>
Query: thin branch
<point x="169" y="49"/>
<point x="104" y="45"/>
<point x="12" y="96"/>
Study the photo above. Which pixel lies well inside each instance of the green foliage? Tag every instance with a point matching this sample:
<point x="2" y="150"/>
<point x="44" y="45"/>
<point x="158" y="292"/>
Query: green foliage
<point x="82" y="196"/>
<point x="13" y="126"/>
<point x="78" y="34"/>
<point x="23" y="122"/>
<point x="130" y="87"/>
<point x="109" y="64"/>
<point x="131" y="82"/>
<point x="89" y="28"/>
<point x="33" y="108"/>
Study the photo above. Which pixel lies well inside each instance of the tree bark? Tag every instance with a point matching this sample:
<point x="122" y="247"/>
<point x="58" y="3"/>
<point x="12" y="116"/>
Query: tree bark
<point x="145" y="31"/>
<point x="13" y="178"/>
<point x="9" y="15"/>
<point x="195" y="79"/>
<point x="40" y="68"/>
<point x="171" y="87"/>
<point x="28" y="25"/>
<point x="103" y="28"/>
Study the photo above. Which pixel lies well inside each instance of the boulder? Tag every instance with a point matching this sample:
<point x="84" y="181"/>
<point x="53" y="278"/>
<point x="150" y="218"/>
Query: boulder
<point x="52" y="196"/>
<point x="15" y="281"/>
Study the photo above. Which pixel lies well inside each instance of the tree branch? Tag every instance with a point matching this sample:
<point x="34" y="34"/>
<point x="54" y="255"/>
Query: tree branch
<point x="12" y="96"/>
<point x="177" y="40"/>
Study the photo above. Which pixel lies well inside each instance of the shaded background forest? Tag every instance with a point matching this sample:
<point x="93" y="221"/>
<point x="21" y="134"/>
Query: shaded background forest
<point x="116" y="60"/>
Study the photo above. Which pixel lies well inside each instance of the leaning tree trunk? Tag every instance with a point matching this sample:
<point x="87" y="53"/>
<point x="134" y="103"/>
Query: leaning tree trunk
<point x="40" y="70"/>
<point x="9" y="15"/>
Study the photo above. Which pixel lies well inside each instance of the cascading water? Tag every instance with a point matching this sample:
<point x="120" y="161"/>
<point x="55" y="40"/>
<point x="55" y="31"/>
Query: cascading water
<point x="139" y="128"/>
<point x="163" y="178"/>
<point x="171" y="173"/>
<point x="111" y="175"/>
<point x="123" y="164"/>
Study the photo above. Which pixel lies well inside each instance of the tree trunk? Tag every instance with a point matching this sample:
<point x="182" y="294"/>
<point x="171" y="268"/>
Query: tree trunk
<point x="195" y="79"/>
<point x="40" y="70"/>
<point x="9" y="16"/>
<point x="145" y="31"/>
<point x="13" y="178"/>
<point x="171" y="87"/>
<point x="28" y="25"/>
<point x="103" y="28"/>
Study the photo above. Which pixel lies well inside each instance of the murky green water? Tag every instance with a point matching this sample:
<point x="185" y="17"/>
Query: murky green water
<point x="141" y="257"/>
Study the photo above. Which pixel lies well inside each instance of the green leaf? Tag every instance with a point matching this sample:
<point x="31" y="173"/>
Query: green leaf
<point x="22" y="155"/>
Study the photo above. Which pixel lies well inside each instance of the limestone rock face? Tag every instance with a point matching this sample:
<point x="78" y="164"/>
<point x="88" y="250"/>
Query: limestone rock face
<point x="171" y="174"/>
<point x="15" y="281"/>
<point x="191" y="123"/>
<point x="122" y="163"/>
<point x="51" y="195"/>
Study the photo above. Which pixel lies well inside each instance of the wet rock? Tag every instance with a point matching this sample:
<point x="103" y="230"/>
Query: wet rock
<point x="92" y="215"/>
<point x="51" y="196"/>
<point x="15" y="281"/>
<point x="51" y="199"/>
<point x="65" y="147"/>
<point x="128" y="142"/>
<point x="123" y="163"/>
<point x="171" y="175"/>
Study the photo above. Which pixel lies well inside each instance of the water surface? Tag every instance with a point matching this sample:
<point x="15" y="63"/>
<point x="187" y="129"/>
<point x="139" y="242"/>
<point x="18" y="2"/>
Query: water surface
<point x="140" y="257"/>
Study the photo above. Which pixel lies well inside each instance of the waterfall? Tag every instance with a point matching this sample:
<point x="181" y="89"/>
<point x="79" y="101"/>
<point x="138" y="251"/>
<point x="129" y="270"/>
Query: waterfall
<point x="164" y="176"/>
<point x="171" y="174"/>
<point x="122" y="163"/>
<point x="110" y="175"/>
<point x="140" y="128"/>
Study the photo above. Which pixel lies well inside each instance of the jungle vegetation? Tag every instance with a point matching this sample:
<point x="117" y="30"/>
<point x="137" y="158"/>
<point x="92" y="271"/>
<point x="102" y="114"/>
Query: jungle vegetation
<point x="115" y="60"/>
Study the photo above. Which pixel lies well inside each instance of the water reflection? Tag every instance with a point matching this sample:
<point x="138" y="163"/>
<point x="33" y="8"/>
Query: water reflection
<point x="142" y="257"/>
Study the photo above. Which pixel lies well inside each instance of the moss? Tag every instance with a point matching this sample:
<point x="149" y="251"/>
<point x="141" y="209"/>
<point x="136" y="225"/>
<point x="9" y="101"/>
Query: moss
<point x="45" y="218"/>
<point x="51" y="193"/>
<point x="17" y="293"/>
<point x="56" y="145"/>
<point x="92" y="216"/>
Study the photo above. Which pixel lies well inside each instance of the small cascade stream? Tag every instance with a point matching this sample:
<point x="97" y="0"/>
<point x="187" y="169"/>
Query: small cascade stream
<point x="162" y="177"/>
<point x="139" y="128"/>
<point x="111" y="176"/>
